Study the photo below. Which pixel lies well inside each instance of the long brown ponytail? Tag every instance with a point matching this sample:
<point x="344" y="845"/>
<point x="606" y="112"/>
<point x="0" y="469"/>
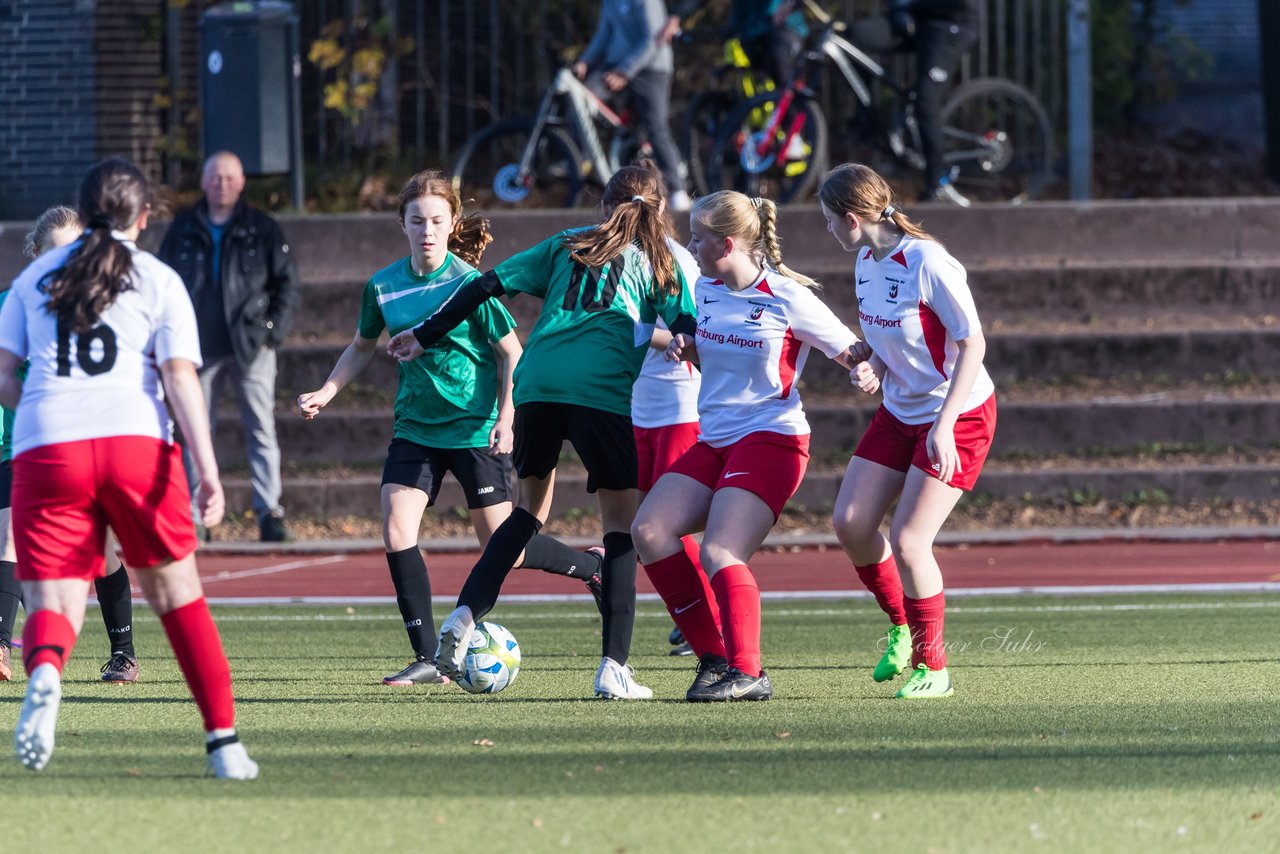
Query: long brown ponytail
<point x="635" y="203"/>
<point x="859" y="190"/>
<point x="113" y="196"/>
<point x="470" y="235"/>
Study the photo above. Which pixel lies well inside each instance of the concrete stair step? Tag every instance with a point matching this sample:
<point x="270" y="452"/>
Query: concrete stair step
<point x="357" y="494"/>
<point x="1024" y="428"/>
<point x="1011" y="357"/>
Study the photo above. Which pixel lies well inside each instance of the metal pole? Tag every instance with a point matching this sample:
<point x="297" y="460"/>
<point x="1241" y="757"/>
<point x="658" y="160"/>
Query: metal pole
<point x="420" y="95"/>
<point x="173" y="55"/>
<point x="1079" y="100"/>
<point x="296" y="181"/>
<point x="1269" y="36"/>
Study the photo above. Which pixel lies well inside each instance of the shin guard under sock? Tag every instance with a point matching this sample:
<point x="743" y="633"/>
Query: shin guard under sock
<point x="619" y="581"/>
<point x="198" y="649"/>
<point x="680" y="584"/>
<point x="413" y="596"/>
<point x="480" y="591"/>
<point x="550" y="555"/>
<point x="10" y="593"/>
<point x="884" y="583"/>
<point x="739" y="598"/>
<point x="47" y="638"/>
<point x="925" y="616"/>
<point x="116" y="603"/>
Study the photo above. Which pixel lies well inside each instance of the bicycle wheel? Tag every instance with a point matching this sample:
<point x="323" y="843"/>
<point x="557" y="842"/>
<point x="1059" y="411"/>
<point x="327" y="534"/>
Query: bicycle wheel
<point x="998" y="138"/>
<point x="782" y="165"/>
<point x="702" y="121"/>
<point x="487" y="169"/>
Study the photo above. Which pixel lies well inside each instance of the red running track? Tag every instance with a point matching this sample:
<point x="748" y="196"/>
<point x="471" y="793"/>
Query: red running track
<point x="1027" y="565"/>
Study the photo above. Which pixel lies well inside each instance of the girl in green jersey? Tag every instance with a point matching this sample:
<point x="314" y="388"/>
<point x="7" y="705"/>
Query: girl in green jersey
<point x="602" y="289"/>
<point x="453" y="410"/>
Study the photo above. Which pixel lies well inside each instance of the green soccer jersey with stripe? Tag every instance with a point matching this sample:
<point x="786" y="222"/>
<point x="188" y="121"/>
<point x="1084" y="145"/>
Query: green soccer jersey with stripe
<point x="6" y="415"/>
<point x="595" y="325"/>
<point x="448" y="396"/>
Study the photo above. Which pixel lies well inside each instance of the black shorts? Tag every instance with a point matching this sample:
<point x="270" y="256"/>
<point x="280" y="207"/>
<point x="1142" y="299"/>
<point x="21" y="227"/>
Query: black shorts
<point x="485" y="479"/>
<point x="6" y="483"/>
<point x="605" y="441"/>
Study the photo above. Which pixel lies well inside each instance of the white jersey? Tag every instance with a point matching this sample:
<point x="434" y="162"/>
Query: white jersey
<point x="105" y="382"/>
<point x="666" y="393"/>
<point x="914" y="305"/>
<point x="752" y="346"/>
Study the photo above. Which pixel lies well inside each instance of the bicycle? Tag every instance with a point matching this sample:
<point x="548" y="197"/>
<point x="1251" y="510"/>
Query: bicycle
<point x="550" y="158"/>
<point x="997" y="137"/>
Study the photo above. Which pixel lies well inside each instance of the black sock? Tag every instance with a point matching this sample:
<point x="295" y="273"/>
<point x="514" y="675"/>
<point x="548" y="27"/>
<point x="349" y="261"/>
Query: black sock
<point x="550" y="555"/>
<point x="413" y="595"/>
<point x="619" y="577"/>
<point x="10" y="593"/>
<point x="481" y="589"/>
<point x="117" y="609"/>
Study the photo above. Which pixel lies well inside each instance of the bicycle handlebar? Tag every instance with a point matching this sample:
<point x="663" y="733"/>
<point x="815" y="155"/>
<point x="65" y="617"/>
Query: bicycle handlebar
<point x="822" y="16"/>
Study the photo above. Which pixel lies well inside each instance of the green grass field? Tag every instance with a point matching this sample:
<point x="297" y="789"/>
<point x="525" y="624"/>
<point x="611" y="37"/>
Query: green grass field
<point x="1138" y="723"/>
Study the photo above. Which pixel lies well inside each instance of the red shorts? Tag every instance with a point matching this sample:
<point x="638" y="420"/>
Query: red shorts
<point x="657" y="448"/>
<point x="768" y="465"/>
<point x="899" y="446"/>
<point x="65" y="496"/>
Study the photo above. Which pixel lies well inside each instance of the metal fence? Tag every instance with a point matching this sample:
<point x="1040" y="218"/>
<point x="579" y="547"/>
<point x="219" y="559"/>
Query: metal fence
<point x="467" y="63"/>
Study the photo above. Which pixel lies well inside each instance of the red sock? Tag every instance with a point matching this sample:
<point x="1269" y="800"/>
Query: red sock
<point x="925" y="617"/>
<point x="198" y="648"/>
<point x="694" y="552"/>
<point x="883" y="582"/>
<point x="680" y="584"/>
<point x="739" y="598"/>
<point x="47" y="638"/>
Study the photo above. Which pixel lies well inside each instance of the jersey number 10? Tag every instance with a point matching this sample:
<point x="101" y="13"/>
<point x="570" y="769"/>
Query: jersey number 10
<point x="84" y="350"/>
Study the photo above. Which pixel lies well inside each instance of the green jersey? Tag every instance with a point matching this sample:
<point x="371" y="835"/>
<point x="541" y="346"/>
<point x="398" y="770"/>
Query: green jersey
<point x="448" y="396"/>
<point x="6" y="415"/>
<point x="595" y="325"/>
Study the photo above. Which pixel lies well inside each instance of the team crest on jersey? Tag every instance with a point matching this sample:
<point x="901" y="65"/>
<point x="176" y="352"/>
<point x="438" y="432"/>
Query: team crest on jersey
<point x="756" y="312"/>
<point x="893" y="288"/>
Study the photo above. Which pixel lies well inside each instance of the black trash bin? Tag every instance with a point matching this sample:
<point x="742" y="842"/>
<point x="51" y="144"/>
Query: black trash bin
<point x="249" y="73"/>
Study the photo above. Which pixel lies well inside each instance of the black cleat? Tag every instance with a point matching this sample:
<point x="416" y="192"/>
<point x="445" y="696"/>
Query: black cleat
<point x="120" y="668"/>
<point x="421" y="672"/>
<point x="595" y="584"/>
<point x="711" y="668"/>
<point x="682" y="649"/>
<point x="733" y="686"/>
<point x="676" y="637"/>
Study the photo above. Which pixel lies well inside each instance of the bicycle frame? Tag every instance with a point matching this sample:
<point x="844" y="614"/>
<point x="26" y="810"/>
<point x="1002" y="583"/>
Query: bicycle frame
<point x="584" y="108"/>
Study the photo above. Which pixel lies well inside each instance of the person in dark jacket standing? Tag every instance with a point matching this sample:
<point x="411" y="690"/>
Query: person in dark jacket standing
<point x="243" y="282"/>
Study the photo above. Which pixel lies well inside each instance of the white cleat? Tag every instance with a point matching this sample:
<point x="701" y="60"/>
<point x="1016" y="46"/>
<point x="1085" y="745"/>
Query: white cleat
<point x="455" y="639"/>
<point x="231" y="762"/>
<point x="39" y="717"/>
<point x="616" y="681"/>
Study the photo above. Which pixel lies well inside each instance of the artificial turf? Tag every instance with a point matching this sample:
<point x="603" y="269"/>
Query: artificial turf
<point x="1138" y="723"/>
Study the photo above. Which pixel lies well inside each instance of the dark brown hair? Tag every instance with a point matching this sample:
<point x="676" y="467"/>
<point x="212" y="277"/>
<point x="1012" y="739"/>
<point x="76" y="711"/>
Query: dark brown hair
<point x="113" y="196"/>
<point x="634" y="204"/>
<point x="470" y="235"/>
<point x="859" y="190"/>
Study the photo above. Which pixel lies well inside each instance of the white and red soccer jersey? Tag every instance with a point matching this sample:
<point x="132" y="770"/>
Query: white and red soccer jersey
<point x="665" y="392"/>
<point x="105" y="382"/>
<point x="752" y="346"/>
<point x="914" y="305"/>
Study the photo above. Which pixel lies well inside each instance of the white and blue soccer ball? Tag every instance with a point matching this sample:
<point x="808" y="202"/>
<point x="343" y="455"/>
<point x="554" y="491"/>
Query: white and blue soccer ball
<point x="492" y="660"/>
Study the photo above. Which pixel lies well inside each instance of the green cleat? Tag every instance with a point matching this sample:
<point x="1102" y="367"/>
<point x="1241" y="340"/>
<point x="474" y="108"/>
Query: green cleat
<point x="897" y="654"/>
<point x="926" y="684"/>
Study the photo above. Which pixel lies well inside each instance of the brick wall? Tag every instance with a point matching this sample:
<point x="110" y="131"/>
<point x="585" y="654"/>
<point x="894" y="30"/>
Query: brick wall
<point x="47" y="101"/>
<point x="77" y="83"/>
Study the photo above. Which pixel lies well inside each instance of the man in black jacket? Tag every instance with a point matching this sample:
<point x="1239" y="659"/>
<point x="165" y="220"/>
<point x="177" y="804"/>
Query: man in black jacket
<point x="244" y="286"/>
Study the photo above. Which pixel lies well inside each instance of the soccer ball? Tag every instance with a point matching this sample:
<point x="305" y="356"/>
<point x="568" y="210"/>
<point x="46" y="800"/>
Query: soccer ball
<point x="492" y="662"/>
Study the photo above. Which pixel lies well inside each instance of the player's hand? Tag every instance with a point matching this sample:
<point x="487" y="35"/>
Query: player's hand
<point x="210" y="501"/>
<point x="669" y="30"/>
<point x="501" y="437"/>
<point x="310" y="403"/>
<point x="404" y="347"/>
<point x="580" y="70"/>
<point x="941" y="445"/>
<point x="615" y="81"/>
<point x="860" y="351"/>
<point x="864" y="378"/>
<point x="681" y="349"/>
